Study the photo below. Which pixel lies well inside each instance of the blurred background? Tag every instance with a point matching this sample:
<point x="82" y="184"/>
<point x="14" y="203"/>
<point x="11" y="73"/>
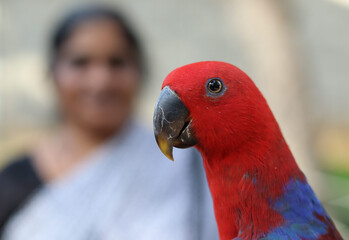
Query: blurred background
<point x="296" y="51"/>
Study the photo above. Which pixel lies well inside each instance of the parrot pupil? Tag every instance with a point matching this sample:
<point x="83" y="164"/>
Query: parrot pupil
<point x="215" y="86"/>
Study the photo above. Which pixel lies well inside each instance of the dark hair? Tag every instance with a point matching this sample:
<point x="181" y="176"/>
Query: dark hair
<point x="72" y="20"/>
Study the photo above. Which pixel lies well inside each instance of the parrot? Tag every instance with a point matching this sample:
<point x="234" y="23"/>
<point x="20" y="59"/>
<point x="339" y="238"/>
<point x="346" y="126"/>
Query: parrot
<point x="257" y="188"/>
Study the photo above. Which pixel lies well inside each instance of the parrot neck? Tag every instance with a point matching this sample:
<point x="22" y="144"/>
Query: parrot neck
<point x="243" y="183"/>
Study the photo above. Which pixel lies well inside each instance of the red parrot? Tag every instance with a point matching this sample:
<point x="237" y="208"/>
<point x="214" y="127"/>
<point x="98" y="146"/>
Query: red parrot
<point x="257" y="188"/>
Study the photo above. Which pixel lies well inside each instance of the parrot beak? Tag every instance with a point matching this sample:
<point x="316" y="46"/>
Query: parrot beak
<point x="172" y="125"/>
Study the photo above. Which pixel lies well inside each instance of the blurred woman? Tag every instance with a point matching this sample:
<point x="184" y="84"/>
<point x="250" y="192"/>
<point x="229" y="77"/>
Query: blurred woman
<point x="101" y="176"/>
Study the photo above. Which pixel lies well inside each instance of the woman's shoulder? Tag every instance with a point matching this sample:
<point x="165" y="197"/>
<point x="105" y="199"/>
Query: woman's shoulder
<point x="19" y="170"/>
<point x="17" y="181"/>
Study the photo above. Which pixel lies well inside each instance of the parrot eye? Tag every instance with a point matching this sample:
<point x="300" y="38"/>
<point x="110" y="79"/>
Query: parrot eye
<point x="214" y="86"/>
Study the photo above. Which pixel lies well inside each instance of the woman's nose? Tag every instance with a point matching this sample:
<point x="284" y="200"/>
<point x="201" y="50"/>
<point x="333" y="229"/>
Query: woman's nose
<point x="100" y="75"/>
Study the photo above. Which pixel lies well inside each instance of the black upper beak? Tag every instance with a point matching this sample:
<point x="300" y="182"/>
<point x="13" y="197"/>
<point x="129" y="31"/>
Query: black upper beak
<point x="172" y="125"/>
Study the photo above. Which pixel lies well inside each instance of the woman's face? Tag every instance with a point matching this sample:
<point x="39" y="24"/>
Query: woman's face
<point x="96" y="76"/>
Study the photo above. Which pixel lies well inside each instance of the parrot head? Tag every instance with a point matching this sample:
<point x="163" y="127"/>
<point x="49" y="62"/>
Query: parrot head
<point x="204" y="104"/>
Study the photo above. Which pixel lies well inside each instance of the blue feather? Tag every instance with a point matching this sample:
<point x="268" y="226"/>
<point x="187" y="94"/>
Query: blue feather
<point x="302" y="211"/>
<point x="304" y="216"/>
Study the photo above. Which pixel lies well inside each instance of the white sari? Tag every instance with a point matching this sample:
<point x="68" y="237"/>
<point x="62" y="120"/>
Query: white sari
<point x="125" y="190"/>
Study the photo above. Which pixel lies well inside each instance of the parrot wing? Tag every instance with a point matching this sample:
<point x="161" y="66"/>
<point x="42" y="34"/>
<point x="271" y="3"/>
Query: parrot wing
<point x="304" y="216"/>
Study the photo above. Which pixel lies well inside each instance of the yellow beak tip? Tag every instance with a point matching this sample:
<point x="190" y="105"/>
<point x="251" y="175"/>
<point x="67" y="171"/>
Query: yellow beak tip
<point x="165" y="148"/>
<point x="168" y="154"/>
